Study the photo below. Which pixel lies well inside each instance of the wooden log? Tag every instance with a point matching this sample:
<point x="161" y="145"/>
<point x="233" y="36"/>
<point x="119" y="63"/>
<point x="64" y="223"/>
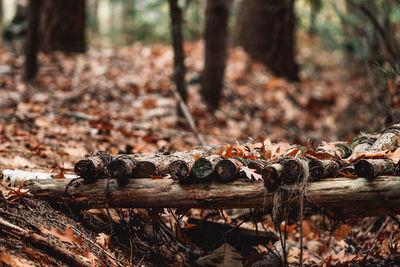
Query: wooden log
<point x="228" y="169"/>
<point x="159" y="164"/>
<point x="122" y="168"/>
<point x="204" y="167"/>
<point x="258" y="164"/>
<point x="180" y="168"/>
<point x="316" y="169"/>
<point x="272" y="176"/>
<point x="388" y="139"/>
<point x="362" y="144"/>
<point x="350" y="197"/>
<point x="371" y="168"/>
<point x="331" y="167"/>
<point x="93" y="167"/>
<point x="295" y="170"/>
<point x="342" y="150"/>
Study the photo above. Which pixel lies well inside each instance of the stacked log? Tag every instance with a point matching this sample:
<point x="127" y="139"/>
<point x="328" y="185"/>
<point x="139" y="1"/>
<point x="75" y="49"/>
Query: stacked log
<point x="365" y="159"/>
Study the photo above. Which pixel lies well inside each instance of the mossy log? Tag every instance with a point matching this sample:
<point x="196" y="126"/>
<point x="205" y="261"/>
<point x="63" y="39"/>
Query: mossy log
<point x="347" y="197"/>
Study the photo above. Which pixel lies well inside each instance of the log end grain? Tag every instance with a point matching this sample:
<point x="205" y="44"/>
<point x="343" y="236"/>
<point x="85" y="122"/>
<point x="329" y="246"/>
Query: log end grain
<point x="179" y="170"/>
<point x="202" y="168"/>
<point x="144" y="169"/>
<point x="226" y="170"/>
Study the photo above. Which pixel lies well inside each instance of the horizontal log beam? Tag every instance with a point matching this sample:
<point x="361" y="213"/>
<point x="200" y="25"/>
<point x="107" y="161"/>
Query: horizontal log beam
<point x="349" y="197"/>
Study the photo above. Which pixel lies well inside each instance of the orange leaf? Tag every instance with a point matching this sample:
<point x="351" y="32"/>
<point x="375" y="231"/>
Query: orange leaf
<point x="293" y="152"/>
<point x="343" y="230"/>
<point x="68" y="236"/>
<point x="289" y="228"/>
<point x="155" y="176"/>
<point x="197" y="156"/>
<point x="348" y="175"/>
<point x="60" y="174"/>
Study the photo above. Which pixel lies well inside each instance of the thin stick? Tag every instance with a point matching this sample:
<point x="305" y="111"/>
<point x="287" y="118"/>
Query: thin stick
<point x="188" y="116"/>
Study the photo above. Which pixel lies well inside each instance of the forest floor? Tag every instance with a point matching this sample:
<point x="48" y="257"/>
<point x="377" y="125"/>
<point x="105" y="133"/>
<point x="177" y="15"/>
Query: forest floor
<point x="119" y="100"/>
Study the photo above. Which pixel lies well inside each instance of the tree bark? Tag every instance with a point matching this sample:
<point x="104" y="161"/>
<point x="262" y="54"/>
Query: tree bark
<point x="63" y="24"/>
<point x="266" y="30"/>
<point x="32" y="41"/>
<point x="347" y="197"/>
<point x="179" y="56"/>
<point x="215" y="36"/>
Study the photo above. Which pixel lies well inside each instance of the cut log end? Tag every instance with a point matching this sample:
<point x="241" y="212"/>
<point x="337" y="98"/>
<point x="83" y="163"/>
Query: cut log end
<point x="145" y="169"/>
<point x="179" y="170"/>
<point x="227" y="170"/>
<point x="202" y="168"/>
<point x="371" y="168"/>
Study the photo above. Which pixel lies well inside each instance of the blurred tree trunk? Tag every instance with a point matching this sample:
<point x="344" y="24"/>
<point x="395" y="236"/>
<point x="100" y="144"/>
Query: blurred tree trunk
<point x="266" y="30"/>
<point x="32" y="40"/>
<point x="179" y="56"/>
<point x="63" y="25"/>
<point x="1" y="13"/>
<point x="215" y="36"/>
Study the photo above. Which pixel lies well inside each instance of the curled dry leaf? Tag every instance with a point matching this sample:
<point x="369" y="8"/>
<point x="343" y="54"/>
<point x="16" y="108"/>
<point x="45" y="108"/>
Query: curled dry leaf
<point x="103" y="240"/>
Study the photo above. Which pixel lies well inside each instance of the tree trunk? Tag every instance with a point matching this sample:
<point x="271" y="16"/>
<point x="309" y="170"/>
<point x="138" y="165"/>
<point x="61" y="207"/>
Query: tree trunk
<point x="215" y="36"/>
<point x="349" y="198"/>
<point x="266" y="30"/>
<point x="32" y="41"/>
<point x="179" y="56"/>
<point x="63" y="25"/>
<point x="1" y="14"/>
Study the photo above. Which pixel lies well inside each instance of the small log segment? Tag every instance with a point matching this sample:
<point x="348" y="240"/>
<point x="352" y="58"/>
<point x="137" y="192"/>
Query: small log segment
<point x="228" y="169"/>
<point x="93" y="167"/>
<point x="204" y="167"/>
<point x="371" y="168"/>
<point x="350" y="197"/>
<point x="362" y="144"/>
<point x="387" y="139"/>
<point x="124" y="167"/>
<point x="181" y="167"/>
<point x="342" y="150"/>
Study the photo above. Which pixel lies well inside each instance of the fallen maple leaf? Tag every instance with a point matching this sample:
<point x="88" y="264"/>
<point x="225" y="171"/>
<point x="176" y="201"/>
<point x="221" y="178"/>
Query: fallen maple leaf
<point x="251" y="174"/>
<point x="68" y="236"/>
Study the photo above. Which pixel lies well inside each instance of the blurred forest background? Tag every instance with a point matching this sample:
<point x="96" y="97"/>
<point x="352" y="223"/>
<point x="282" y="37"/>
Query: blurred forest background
<point x="295" y="69"/>
<point x="82" y="76"/>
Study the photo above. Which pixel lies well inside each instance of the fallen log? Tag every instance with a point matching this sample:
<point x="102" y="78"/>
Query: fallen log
<point x="93" y="167"/>
<point x="348" y="197"/>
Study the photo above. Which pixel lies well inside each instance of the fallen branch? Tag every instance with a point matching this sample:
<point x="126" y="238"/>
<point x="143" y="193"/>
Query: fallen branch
<point x="348" y="197"/>
<point x="43" y="242"/>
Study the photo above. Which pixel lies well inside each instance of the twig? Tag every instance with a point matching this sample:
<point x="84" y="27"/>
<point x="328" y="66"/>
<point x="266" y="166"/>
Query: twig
<point x="138" y="126"/>
<point x="188" y="116"/>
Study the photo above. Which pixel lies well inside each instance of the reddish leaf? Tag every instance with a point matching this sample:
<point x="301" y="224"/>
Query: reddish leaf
<point x="156" y="177"/>
<point x="348" y="175"/>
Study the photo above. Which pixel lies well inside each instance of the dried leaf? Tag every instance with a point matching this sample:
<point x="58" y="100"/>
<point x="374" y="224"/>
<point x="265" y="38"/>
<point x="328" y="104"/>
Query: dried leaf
<point x="60" y="174"/>
<point x="348" y="175"/>
<point x="395" y="156"/>
<point x="251" y="174"/>
<point x="68" y="236"/>
<point x="156" y="176"/>
<point x="103" y="240"/>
